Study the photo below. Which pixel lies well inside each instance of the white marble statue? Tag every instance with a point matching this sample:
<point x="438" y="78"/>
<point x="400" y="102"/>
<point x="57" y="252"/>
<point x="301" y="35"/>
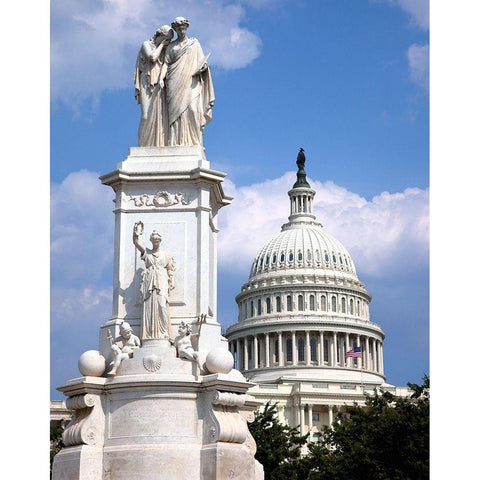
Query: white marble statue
<point x="128" y="342"/>
<point x="183" y="342"/>
<point x="153" y="128"/>
<point x="188" y="84"/>
<point x="157" y="281"/>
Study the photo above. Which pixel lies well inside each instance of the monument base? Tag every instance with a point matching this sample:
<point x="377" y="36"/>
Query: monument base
<point x="158" y="419"/>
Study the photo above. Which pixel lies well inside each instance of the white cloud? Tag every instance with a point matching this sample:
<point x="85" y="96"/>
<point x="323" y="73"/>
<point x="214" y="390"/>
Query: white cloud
<point x="81" y="229"/>
<point x="419" y="11"/>
<point x="418" y="61"/>
<point x="94" y="44"/>
<point x="386" y="236"/>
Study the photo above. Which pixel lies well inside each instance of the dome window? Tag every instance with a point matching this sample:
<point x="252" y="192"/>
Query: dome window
<point x="261" y="262"/>
<point x="259" y="307"/>
<point x="344" y="306"/>
<point x="300" y="256"/>
<point x="309" y="256"/>
<point x="282" y="257"/>
<point x="301" y="305"/>
<point x="340" y="257"/>
<point x="289" y="303"/>
<point x="326" y="257"/>
<point x="313" y="350"/>
<point x="274" y="258"/>
<point x="334" y="304"/>
<point x="323" y="303"/>
<point x="301" y="350"/>
<point x="278" y="305"/>
<point x="289" y="350"/>
<point x="269" y="305"/>
<point x="334" y="258"/>
<point x="251" y="309"/>
<point x="351" y="307"/>
<point x="290" y="256"/>
<point x="312" y="302"/>
<point x="318" y="255"/>
<point x="267" y="260"/>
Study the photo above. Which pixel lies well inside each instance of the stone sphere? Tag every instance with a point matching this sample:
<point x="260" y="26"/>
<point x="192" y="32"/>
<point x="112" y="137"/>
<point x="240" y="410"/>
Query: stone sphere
<point x="91" y="363"/>
<point x="219" y="360"/>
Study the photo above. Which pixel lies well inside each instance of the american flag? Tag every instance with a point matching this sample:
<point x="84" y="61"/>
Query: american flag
<point x="355" y="352"/>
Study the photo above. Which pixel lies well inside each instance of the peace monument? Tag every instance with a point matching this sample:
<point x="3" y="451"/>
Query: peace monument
<point x="160" y="398"/>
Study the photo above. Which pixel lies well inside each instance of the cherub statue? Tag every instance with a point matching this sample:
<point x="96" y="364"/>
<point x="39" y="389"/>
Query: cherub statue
<point x="183" y="342"/>
<point x="129" y="342"/>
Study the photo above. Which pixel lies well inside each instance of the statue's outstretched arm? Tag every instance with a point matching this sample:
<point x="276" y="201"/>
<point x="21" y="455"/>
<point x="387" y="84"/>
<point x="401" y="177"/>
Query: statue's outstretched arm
<point x="137" y="231"/>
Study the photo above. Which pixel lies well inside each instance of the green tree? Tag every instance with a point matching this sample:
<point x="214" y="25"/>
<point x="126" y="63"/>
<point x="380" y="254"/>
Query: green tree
<point x="388" y="439"/>
<point x="278" y="445"/>
<point x="56" y="443"/>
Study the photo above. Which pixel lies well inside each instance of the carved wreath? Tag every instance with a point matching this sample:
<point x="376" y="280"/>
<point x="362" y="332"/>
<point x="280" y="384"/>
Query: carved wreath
<point x="160" y="199"/>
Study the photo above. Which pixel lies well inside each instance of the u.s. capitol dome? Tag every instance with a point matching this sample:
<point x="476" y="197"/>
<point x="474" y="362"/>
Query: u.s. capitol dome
<point x="304" y="333"/>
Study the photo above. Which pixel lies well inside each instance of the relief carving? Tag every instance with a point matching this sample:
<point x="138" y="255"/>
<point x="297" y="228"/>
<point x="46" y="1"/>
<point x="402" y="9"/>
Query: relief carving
<point x="160" y="199"/>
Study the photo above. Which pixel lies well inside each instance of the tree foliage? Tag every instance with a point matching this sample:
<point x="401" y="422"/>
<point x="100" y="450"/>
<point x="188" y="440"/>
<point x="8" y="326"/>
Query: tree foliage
<point x="56" y="442"/>
<point x="278" y="445"/>
<point x="387" y="439"/>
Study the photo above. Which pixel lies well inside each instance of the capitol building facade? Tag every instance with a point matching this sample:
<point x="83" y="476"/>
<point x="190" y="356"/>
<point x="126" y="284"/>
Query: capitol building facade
<point x="303" y="314"/>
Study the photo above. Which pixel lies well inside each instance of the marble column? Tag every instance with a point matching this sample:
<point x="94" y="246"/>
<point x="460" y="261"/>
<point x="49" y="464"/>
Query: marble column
<point x="331" y="357"/>
<point x="302" y="419"/>
<point x="280" y="350"/>
<point x="330" y="415"/>
<point x="294" y="349"/>
<point x="245" y="353"/>
<point x="309" y="348"/>
<point x="255" y="351"/>
<point x="367" y="346"/>
<point x="267" y="350"/>
<point x="380" y="357"/>
<point x="310" y="421"/>
<point x="238" y="364"/>
<point x="347" y="340"/>
<point x="374" y="345"/>
<point x="322" y="353"/>
<point x="335" y="349"/>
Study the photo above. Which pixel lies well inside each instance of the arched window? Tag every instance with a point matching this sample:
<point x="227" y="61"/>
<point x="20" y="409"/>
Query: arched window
<point x="334" y="258"/>
<point x="274" y="259"/>
<point x="301" y="306"/>
<point x="309" y="255"/>
<point x="313" y="349"/>
<point x="275" y="350"/>
<point x="312" y="302"/>
<point x="278" y="302"/>
<point x="358" y="307"/>
<point x="326" y="256"/>
<point x="299" y="256"/>
<point x="269" y="305"/>
<point x="251" y="309"/>
<point x="318" y="255"/>
<point x="282" y="257"/>
<point x="351" y="307"/>
<point x="323" y="303"/>
<point x="290" y="256"/>
<point x="289" y="303"/>
<point x="301" y="350"/>
<point x="289" y="350"/>
<point x="267" y="260"/>
<point x="340" y="257"/>
<point x="259" y="307"/>
<point x="334" y="304"/>
<point x="344" y="307"/>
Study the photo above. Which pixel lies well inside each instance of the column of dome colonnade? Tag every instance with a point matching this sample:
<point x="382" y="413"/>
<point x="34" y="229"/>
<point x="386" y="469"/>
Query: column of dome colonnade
<point x="303" y="307"/>
<point x="309" y="348"/>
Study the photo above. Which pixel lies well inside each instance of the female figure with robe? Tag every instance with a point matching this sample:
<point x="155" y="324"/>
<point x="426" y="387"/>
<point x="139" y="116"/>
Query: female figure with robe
<point x="189" y="88"/>
<point x="153" y="128"/>
<point x="157" y="281"/>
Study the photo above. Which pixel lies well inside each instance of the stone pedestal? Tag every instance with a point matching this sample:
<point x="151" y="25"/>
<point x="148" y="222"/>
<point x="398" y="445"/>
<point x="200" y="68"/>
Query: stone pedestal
<point x="158" y="420"/>
<point x="171" y="190"/>
<point x="161" y="417"/>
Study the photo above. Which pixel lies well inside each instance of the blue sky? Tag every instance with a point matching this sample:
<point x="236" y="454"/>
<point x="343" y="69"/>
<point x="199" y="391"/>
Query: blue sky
<point x="345" y="79"/>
